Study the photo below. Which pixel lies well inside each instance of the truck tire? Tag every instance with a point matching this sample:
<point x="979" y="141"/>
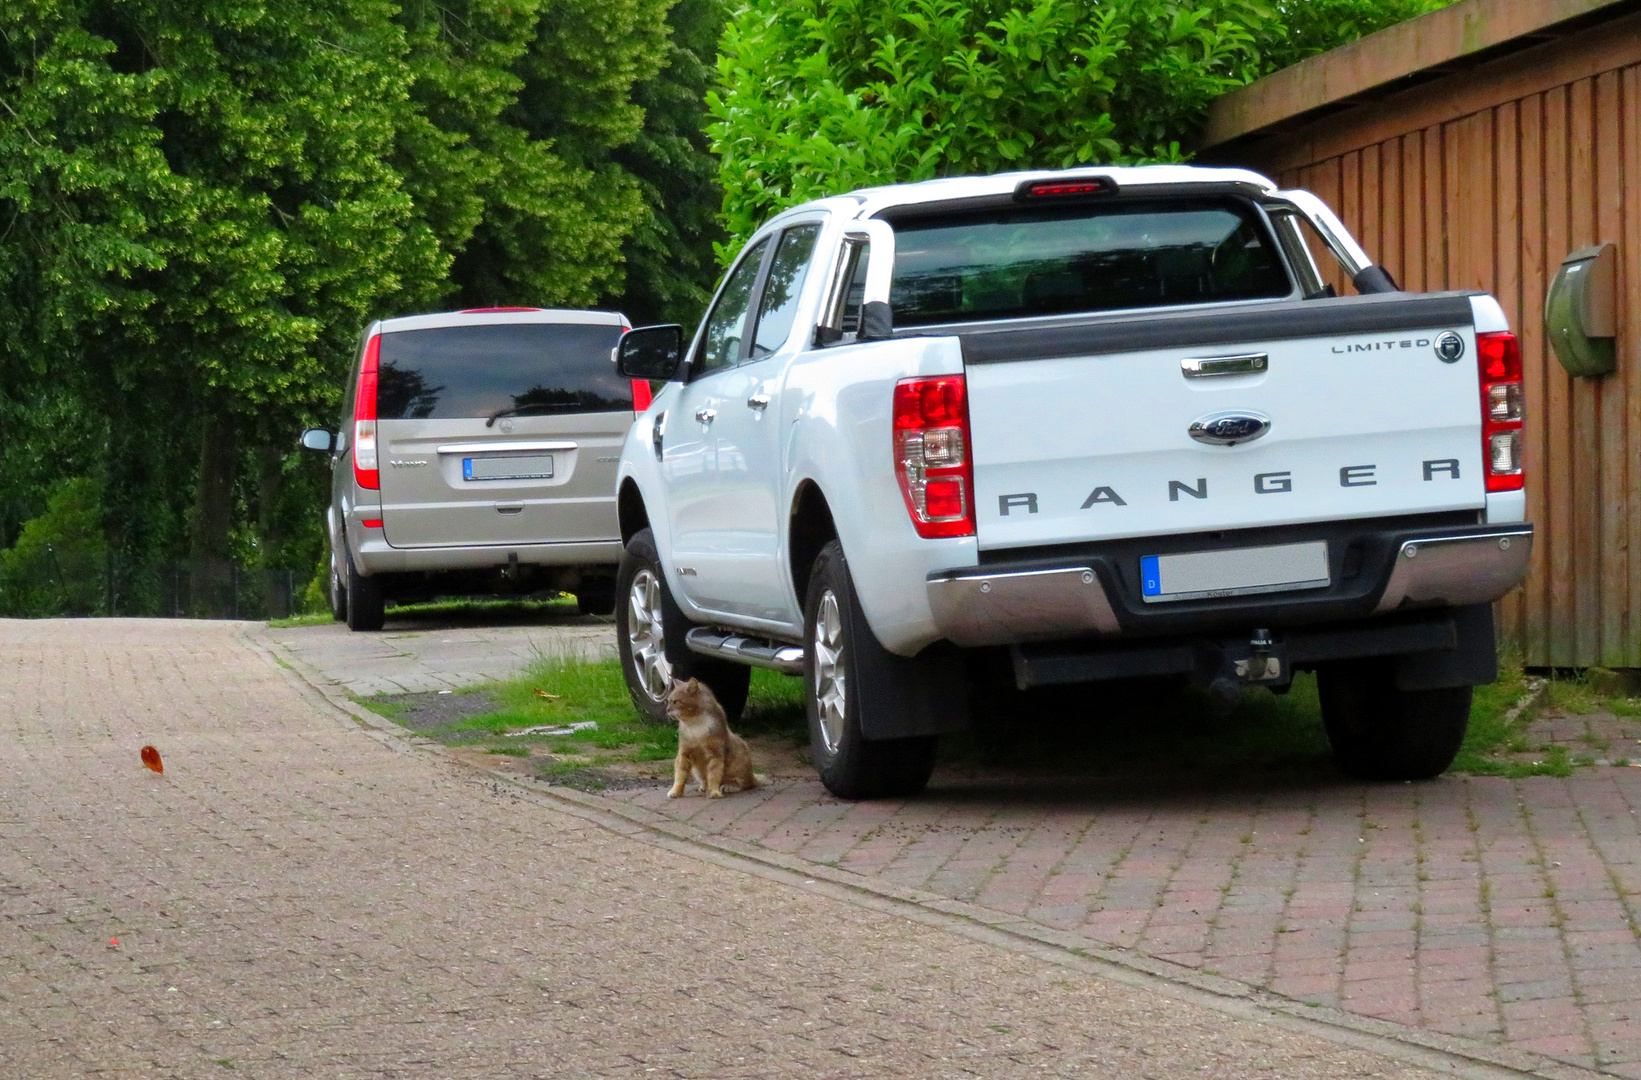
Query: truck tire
<point x="338" y="595"/>
<point x="365" y="601"/>
<point x="649" y="636"/>
<point x="1381" y="733"/>
<point x="836" y="633"/>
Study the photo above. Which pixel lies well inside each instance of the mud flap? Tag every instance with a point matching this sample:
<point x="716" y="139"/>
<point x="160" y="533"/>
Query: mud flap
<point x="1471" y="662"/>
<point x="903" y="697"/>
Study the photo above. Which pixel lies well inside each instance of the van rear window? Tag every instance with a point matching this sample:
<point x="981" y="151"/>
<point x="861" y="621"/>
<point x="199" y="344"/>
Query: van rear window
<point x="1031" y="261"/>
<point x="518" y="369"/>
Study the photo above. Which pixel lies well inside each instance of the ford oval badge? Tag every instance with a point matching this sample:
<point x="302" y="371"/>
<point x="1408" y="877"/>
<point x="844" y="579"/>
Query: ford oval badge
<point x="1229" y="428"/>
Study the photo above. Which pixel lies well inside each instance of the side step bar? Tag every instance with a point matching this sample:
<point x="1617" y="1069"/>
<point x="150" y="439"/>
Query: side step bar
<point x="755" y="652"/>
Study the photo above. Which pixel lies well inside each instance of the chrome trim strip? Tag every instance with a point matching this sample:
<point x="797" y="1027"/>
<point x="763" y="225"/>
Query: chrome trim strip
<point x="1473" y="568"/>
<point x="975" y="608"/>
<point x="1206" y="367"/>
<point x="756" y="652"/>
<point x="501" y="447"/>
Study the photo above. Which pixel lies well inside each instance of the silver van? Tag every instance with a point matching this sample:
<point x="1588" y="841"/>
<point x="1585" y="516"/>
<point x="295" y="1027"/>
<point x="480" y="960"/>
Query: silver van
<point x="477" y="454"/>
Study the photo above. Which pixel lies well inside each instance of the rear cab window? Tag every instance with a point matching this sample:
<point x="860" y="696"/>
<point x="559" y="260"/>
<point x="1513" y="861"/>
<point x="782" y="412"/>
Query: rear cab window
<point x="492" y="371"/>
<point x="1025" y="262"/>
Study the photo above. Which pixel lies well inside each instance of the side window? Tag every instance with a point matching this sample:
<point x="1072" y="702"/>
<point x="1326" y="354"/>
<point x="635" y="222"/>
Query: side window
<point x="854" y="288"/>
<point x="779" y="306"/>
<point x="721" y="343"/>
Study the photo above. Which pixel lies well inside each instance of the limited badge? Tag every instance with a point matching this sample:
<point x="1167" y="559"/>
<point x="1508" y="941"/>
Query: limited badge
<point x="1449" y="347"/>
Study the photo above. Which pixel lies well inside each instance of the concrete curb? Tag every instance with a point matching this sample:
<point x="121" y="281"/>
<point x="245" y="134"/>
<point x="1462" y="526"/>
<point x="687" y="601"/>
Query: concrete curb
<point x="1449" y="1054"/>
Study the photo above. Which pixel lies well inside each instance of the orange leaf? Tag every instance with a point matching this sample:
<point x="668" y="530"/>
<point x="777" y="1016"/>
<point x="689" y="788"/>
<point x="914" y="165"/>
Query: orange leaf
<point x="151" y="758"/>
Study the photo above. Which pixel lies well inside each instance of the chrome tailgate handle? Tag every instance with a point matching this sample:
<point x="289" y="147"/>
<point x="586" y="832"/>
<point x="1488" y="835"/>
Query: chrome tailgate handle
<point x="758" y="401"/>
<point x="1205" y="367"/>
<point x="705" y="416"/>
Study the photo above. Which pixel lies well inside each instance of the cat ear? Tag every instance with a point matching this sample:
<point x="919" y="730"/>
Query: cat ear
<point x="694" y="685"/>
<point x="676" y="684"/>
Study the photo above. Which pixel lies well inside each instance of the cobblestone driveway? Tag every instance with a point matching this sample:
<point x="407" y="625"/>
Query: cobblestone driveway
<point x="298" y="896"/>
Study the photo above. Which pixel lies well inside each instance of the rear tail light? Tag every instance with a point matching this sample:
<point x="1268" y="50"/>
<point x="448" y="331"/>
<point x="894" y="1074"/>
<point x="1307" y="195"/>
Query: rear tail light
<point x="1503" y="410"/>
<point x="640" y="395"/>
<point x="365" y="470"/>
<point x="932" y="462"/>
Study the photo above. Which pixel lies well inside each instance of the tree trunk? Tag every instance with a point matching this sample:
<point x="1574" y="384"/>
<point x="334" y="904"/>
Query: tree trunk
<point x="209" y="548"/>
<point x="270" y="479"/>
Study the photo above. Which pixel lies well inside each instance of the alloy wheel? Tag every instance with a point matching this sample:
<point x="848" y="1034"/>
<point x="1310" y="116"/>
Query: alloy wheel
<point x="645" y="636"/>
<point x="831" y="671"/>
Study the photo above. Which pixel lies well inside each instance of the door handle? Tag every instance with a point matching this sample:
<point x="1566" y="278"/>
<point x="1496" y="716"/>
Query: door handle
<point x="758" y="401"/>
<point x="705" y="416"/>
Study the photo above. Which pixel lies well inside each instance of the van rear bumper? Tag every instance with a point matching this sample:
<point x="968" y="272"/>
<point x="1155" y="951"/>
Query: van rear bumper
<point x="373" y="555"/>
<point x="1376" y="567"/>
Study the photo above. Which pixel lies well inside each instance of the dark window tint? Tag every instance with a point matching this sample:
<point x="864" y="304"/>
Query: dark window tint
<point x="520" y="369"/>
<point x="721" y="343"/>
<point x="1052" y="261"/>
<point x="779" y="306"/>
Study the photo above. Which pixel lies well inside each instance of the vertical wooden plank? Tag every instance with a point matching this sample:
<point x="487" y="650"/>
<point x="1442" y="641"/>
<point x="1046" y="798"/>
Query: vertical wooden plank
<point x="1558" y="465"/>
<point x="1435" y="210"/>
<point x="1611" y="424"/>
<point x="1507" y="288"/>
<point x="1469" y="192"/>
<point x="1530" y="118"/>
<point x="1349" y="206"/>
<point x="1413" y="260"/>
<point x="1372" y="197"/>
<point x="1325" y="184"/>
<point x="1390" y="229"/>
<point x="1586" y="421"/>
<point x="1629" y="332"/>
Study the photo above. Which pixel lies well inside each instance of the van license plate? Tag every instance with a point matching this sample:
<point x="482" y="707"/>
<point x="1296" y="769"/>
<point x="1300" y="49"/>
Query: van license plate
<point x="522" y="467"/>
<point x="1201" y="575"/>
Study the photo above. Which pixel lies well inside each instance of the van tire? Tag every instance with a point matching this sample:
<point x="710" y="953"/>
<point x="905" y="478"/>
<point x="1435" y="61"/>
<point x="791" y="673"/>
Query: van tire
<point x="652" y="656"/>
<point x="836" y="640"/>
<point x="338" y="595"/>
<point x="1379" y="732"/>
<point x="365" y="601"/>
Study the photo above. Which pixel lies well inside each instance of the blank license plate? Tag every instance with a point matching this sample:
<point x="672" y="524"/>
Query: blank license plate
<point x="1199" y="575"/>
<point x="522" y="467"/>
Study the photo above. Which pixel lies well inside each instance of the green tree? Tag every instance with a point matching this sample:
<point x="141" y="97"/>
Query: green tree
<point x="57" y="565"/>
<point x="820" y="96"/>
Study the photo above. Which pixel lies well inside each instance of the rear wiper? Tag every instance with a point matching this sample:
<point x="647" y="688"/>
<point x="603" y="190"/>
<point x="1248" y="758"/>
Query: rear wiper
<point x="517" y="410"/>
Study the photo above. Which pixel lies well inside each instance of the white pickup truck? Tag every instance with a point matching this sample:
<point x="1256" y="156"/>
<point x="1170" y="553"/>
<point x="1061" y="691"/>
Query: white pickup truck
<point x="1089" y="425"/>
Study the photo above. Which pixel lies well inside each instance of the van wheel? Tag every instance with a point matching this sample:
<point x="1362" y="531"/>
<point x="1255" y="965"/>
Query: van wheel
<point x="649" y="636"/>
<point x="836" y="633"/>
<point x="365" y="601"/>
<point x="1381" y="733"/>
<point x="338" y="595"/>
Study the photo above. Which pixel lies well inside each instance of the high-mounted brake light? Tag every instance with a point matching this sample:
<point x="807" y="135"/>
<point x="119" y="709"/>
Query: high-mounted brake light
<point x="1503" y="410"/>
<point x="932" y="462"/>
<point x="365" y="471"/>
<point x="1059" y="189"/>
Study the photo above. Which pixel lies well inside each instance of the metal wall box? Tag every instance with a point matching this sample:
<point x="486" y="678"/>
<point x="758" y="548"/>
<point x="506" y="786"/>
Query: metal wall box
<point x="1580" y="316"/>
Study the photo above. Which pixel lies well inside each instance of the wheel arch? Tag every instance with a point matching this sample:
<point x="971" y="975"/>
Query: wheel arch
<point x="631" y="512"/>
<point x="809" y="529"/>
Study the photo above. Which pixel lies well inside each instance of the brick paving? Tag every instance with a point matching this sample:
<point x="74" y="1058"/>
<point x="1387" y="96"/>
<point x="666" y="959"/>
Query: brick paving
<point x="298" y="896"/>
<point x="1493" y="909"/>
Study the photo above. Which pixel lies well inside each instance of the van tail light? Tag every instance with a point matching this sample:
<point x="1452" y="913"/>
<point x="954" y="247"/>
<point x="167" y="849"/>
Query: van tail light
<point x="932" y="455"/>
<point x="366" y="472"/>
<point x="640" y="395"/>
<point x="1503" y="410"/>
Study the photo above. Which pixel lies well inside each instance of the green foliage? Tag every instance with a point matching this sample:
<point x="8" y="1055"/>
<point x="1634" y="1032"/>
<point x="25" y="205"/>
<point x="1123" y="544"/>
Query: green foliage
<point x="57" y="565"/>
<point x="1315" y="26"/>
<point x="819" y="98"/>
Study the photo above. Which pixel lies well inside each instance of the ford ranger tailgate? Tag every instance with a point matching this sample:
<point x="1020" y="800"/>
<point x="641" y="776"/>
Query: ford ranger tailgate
<point x="1228" y="417"/>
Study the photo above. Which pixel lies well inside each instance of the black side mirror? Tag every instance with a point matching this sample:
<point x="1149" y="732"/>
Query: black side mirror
<point x="317" y="438"/>
<point x="651" y="352"/>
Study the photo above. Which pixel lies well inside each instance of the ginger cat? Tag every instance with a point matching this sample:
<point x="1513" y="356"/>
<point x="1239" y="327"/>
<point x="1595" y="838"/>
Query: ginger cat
<point x="707" y="749"/>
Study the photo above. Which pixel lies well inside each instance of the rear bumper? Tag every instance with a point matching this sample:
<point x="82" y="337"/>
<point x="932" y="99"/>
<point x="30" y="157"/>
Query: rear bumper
<point x="373" y="555"/>
<point x="1376" y="568"/>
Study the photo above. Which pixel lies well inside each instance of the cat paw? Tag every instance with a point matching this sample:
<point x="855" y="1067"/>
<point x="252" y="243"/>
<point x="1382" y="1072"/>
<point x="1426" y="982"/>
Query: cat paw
<point x="675" y="792"/>
<point x="715" y="794"/>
